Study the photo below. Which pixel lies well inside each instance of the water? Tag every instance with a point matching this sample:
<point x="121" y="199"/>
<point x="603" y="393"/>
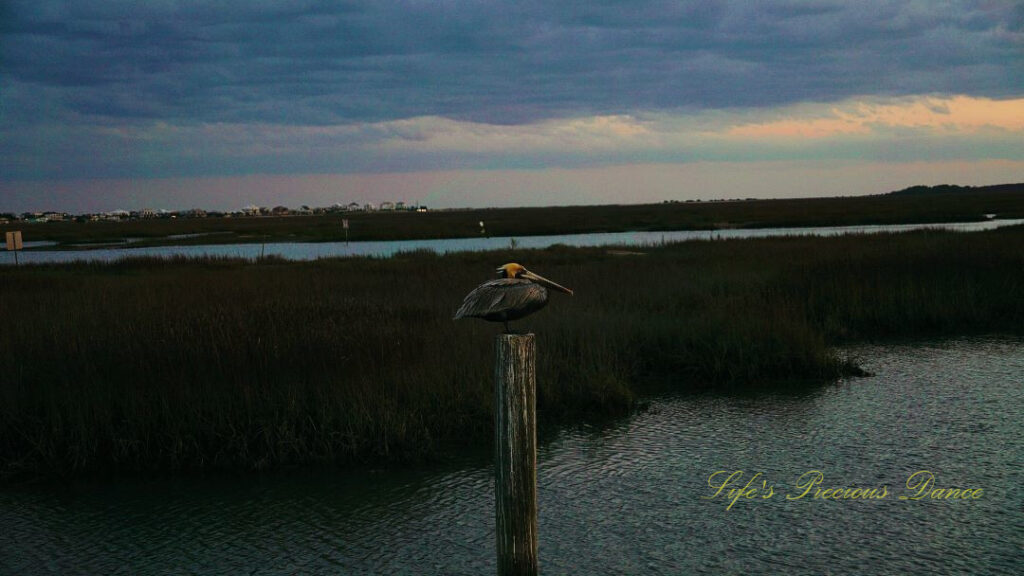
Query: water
<point x="314" y="250"/>
<point x="621" y="498"/>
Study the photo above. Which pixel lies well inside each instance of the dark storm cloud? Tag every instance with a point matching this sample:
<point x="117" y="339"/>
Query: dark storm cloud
<point x="495" y="62"/>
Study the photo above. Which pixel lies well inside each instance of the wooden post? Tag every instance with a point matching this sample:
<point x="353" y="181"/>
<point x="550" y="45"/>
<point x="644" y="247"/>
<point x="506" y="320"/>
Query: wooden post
<point x="14" y="243"/>
<point x="515" y="442"/>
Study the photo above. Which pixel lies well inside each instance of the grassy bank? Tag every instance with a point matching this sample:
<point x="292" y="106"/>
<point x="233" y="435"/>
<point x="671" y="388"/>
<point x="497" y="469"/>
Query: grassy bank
<point x="925" y="207"/>
<point x="200" y="364"/>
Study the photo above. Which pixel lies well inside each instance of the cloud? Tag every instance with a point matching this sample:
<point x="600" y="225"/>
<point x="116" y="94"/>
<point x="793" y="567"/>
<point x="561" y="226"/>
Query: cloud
<point x="958" y="115"/>
<point x="488" y="61"/>
<point x="179" y="89"/>
<point x="921" y="128"/>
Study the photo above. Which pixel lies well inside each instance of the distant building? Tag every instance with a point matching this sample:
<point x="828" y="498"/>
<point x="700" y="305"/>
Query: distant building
<point x="399" y="205"/>
<point x="387" y="205"/>
<point x="280" y="211"/>
<point x="369" y="207"/>
<point x="354" y="207"/>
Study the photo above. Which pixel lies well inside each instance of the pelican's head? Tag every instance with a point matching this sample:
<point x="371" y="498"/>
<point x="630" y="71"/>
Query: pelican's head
<point x="513" y="270"/>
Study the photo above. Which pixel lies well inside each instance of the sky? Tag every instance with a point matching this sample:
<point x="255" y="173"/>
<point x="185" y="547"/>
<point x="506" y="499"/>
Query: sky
<point x="175" y="104"/>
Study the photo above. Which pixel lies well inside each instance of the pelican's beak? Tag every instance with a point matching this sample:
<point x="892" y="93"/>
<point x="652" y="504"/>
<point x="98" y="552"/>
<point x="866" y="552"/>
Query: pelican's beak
<point x="542" y="280"/>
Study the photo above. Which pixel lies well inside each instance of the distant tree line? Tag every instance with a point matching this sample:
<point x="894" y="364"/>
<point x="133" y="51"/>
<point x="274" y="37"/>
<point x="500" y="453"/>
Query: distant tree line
<point x="953" y="188"/>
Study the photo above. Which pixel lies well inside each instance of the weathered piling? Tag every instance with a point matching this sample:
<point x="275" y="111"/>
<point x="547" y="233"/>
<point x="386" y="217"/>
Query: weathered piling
<point x="515" y="442"/>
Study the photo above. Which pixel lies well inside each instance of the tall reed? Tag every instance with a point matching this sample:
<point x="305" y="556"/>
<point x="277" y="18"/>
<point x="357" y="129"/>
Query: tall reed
<point x="215" y="363"/>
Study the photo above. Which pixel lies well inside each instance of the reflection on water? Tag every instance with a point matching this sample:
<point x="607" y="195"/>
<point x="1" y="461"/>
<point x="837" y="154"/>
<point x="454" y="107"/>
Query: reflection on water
<point x="312" y="251"/>
<point x="621" y="498"/>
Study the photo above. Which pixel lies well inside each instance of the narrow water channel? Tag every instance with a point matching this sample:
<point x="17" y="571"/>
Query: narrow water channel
<point x="314" y="250"/>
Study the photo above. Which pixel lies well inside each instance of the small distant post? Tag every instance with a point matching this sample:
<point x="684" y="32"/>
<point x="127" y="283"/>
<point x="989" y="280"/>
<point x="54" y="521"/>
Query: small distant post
<point x="14" y="244"/>
<point x="515" y="442"/>
<point x="344" y="224"/>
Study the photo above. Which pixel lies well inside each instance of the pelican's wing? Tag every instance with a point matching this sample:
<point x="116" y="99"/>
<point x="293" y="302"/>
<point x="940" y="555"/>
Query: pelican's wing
<point x="496" y="295"/>
<point x="522" y="298"/>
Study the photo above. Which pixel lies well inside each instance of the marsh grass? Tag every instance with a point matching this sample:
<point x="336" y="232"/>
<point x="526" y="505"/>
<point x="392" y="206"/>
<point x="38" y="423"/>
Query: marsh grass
<point x="183" y="364"/>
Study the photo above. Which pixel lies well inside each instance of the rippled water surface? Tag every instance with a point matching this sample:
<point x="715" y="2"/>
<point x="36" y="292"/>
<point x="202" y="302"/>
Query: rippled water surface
<point x="625" y="498"/>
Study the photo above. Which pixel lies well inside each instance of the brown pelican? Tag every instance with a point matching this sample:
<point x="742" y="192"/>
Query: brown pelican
<point x="516" y="294"/>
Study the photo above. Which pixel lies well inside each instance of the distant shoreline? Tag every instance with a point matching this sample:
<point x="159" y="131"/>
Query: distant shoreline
<point x="916" y="205"/>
